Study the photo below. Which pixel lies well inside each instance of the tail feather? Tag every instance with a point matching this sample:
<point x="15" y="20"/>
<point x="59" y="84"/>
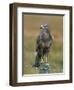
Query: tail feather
<point x="37" y="61"/>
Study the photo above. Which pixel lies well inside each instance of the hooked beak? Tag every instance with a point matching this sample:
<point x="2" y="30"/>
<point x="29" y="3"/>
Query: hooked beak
<point x="40" y="27"/>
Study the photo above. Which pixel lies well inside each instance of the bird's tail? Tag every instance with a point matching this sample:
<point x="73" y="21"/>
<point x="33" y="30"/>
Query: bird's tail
<point x="37" y="61"/>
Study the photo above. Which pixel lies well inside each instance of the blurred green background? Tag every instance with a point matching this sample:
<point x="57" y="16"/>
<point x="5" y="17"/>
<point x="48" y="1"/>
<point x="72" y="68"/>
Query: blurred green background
<point x="31" y="26"/>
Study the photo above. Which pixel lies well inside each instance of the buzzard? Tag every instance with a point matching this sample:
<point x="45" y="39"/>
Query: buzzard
<point x="43" y="44"/>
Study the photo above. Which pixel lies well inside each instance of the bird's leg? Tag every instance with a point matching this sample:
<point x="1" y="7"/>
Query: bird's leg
<point x="46" y="58"/>
<point x="42" y="58"/>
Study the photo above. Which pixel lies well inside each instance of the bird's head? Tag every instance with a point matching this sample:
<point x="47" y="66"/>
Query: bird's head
<point x="43" y="27"/>
<point x="46" y="26"/>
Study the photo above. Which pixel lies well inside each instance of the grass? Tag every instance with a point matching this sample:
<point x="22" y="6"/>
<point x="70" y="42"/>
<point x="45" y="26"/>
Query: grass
<point x="31" y="31"/>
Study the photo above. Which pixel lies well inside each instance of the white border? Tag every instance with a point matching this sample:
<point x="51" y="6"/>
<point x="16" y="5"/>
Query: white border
<point x="48" y="77"/>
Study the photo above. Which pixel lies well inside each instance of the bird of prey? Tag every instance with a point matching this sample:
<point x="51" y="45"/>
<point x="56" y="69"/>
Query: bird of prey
<point x="43" y="44"/>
